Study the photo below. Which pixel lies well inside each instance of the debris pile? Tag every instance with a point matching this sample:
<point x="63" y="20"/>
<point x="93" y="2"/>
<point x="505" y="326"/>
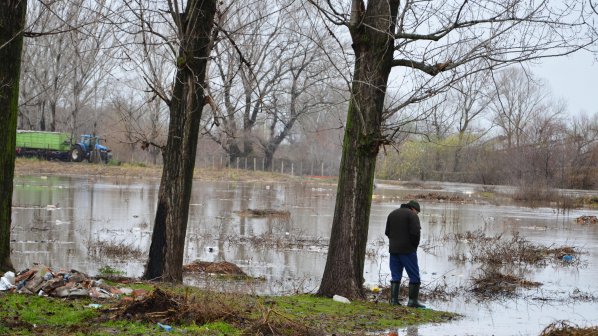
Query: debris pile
<point x="222" y="267"/>
<point x="166" y="308"/>
<point x="587" y="220"/>
<point x="41" y="280"/>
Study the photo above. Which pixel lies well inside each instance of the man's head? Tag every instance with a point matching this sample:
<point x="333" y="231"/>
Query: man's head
<point x="414" y="205"/>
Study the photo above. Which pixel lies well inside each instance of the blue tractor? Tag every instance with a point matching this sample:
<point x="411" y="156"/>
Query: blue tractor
<point x="89" y="147"/>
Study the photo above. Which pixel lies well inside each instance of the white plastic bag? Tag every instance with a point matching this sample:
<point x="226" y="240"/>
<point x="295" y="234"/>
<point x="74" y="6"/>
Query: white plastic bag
<point x="7" y="281"/>
<point x="342" y="299"/>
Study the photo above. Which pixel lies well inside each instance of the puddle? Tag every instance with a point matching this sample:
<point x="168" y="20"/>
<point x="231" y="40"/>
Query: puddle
<point x="58" y="220"/>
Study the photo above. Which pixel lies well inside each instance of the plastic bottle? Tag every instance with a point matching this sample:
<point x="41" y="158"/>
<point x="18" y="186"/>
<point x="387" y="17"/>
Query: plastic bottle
<point x="342" y="299"/>
<point x="166" y="327"/>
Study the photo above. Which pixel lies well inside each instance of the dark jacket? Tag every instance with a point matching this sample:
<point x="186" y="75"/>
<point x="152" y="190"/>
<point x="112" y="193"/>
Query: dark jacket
<point x="403" y="230"/>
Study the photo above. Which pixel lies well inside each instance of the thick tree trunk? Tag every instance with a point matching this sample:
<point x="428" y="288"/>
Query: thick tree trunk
<point x="170" y="227"/>
<point x="373" y="46"/>
<point x="12" y="21"/>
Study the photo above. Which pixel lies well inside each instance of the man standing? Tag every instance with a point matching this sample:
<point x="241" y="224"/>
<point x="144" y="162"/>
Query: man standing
<point x="403" y="232"/>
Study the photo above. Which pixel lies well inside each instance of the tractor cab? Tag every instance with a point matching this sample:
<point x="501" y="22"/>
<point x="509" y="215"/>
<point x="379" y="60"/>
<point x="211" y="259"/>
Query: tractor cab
<point x="89" y="147"/>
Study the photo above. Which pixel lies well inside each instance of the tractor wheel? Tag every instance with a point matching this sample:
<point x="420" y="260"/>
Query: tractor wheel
<point x="77" y="154"/>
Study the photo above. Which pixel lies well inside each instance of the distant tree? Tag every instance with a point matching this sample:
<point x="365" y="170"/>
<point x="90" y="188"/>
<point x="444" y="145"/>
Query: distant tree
<point x="270" y="73"/>
<point x="12" y="24"/>
<point x="472" y="98"/>
<point x="580" y="153"/>
<point x="520" y="101"/>
<point x="67" y="65"/>
<point x="431" y="42"/>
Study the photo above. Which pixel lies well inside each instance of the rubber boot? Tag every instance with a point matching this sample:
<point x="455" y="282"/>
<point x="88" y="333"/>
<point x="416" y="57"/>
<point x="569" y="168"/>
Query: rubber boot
<point x="395" y="286"/>
<point x="414" y="297"/>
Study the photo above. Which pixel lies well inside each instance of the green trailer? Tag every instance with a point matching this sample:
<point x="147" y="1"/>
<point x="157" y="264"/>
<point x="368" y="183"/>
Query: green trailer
<point x="44" y="140"/>
<point x="60" y="146"/>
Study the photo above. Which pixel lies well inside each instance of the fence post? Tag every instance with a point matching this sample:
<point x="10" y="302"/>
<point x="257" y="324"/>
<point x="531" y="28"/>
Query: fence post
<point x="292" y="169"/>
<point x="237" y="163"/>
<point x="221" y="164"/>
<point x="281" y="166"/>
<point x="253" y="164"/>
<point x="322" y="168"/>
<point x="246" y="163"/>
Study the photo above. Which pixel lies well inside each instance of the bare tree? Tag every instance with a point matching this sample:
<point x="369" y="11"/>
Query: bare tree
<point x="580" y="153"/>
<point x="431" y="42"/>
<point x="45" y="67"/>
<point x="12" y="24"/>
<point x="90" y="64"/>
<point x="472" y="98"/>
<point x="67" y="63"/>
<point x="520" y="100"/>
<point x="193" y="26"/>
<point x="270" y="73"/>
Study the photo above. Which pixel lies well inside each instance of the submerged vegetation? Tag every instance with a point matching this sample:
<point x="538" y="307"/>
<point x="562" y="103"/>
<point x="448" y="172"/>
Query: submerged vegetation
<point x="565" y="328"/>
<point x="497" y="250"/>
<point x="492" y="284"/>
<point x="113" y="250"/>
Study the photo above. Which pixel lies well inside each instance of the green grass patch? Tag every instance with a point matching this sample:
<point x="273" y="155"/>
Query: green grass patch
<point x="108" y="270"/>
<point x="358" y="316"/>
<point x="193" y="311"/>
<point x="45" y="311"/>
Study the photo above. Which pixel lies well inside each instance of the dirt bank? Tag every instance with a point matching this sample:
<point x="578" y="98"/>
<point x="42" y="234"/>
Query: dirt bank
<point x="40" y="167"/>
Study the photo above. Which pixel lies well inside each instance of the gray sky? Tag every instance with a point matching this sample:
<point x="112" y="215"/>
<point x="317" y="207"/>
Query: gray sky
<point x="573" y="78"/>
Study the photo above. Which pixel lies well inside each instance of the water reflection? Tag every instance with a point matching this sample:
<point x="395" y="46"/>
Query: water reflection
<point x="56" y="220"/>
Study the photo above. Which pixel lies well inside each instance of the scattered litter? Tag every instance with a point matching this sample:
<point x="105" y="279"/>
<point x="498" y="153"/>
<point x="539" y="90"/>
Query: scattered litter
<point x="339" y="298"/>
<point x="567" y="258"/>
<point x="126" y="290"/>
<point x="166" y="327"/>
<point x="42" y="281"/>
<point x="7" y="281"/>
<point x="94" y="305"/>
<point x="373" y="287"/>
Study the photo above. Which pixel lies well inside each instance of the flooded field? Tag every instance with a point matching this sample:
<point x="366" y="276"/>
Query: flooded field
<point x="89" y="223"/>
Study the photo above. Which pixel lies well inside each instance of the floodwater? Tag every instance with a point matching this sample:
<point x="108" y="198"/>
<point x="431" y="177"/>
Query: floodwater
<point x="60" y="221"/>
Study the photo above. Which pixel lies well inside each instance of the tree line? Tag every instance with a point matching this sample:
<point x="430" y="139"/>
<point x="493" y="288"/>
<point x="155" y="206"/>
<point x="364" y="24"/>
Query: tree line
<point x="510" y="131"/>
<point x="253" y="77"/>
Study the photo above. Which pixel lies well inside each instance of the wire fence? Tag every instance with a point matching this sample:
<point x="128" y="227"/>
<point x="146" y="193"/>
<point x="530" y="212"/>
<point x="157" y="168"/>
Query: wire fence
<point x="282" y="166"/>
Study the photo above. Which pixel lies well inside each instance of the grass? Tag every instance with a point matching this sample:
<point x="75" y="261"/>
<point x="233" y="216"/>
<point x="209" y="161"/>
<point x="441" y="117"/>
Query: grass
<point x="189" y="310"/>
<point x="24" y="315"/>
<point x="344" y="319"/>
<point x="107" y="270"/>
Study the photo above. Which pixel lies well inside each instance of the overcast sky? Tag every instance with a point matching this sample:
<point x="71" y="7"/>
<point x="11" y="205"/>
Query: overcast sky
<point x="573" y="78"/>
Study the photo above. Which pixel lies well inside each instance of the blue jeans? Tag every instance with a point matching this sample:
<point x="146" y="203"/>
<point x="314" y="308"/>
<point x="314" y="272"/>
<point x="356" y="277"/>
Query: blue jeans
<point x="406" y="261"/>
